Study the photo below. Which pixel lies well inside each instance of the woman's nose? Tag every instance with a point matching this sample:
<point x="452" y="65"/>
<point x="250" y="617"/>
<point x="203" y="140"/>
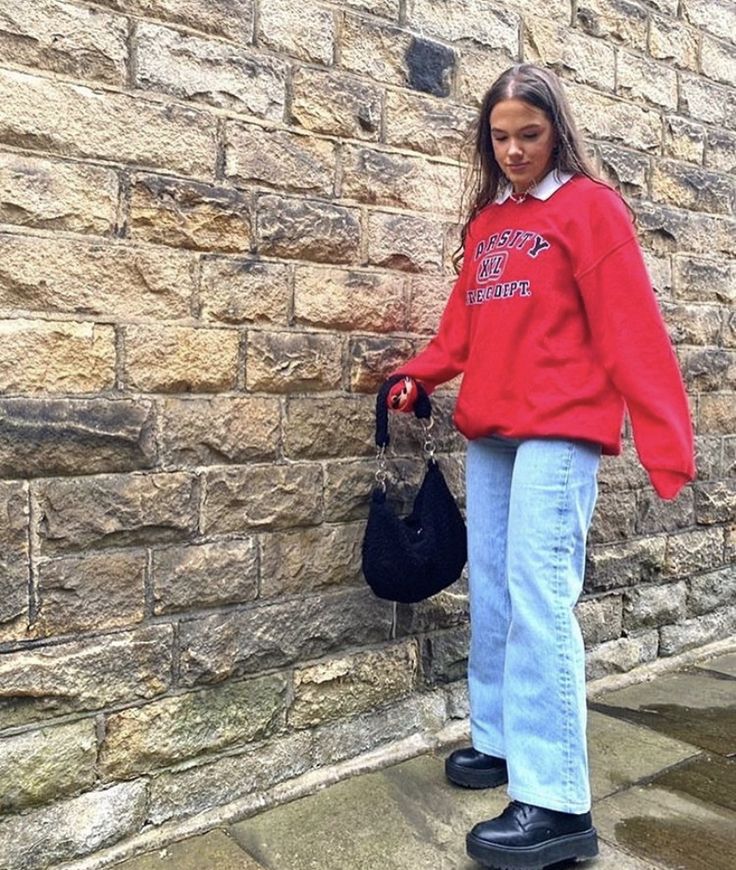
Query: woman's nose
<point x="514" y="147"/>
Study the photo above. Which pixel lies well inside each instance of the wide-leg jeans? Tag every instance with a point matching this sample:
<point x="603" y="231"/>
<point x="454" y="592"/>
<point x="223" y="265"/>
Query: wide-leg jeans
<point x="529" y="507"/>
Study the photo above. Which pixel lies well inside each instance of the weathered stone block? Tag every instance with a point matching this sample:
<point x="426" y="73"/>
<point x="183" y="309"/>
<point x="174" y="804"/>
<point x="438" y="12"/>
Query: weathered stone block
<point x="337" y="104"/>
<point x="550" y="42"/>
<point x="37" y="684"/>
<point x="655" y="515"/>
<point x="372" y="358"/>
<point x="349" y="300"/>
<point x="353" y="684"/>
<point x="708" y="457"/>
<point x="298" y="27"/>
<point x="183" y="792"/>
<point x="104" y="278"/>
<point x="692" y="324"/>
<point x="219" y="429"/>
<point x="397" y="241"/>
<point x="618" y="20"/>
<point x="428" y="296"/>
<point x="232" y="19"/>
<point x="720" y="152"/>
<point x="204" y="575"/>
<point x="165" y="731"/>
<point x="715" y="16"/>
<point x="388" y="178"/>
<point x="35" y="192"/>
<point x="57" y="357"/>
<point x="473" y="21"/>
<point x="625" y="564"/>
<point x="64" y="38"/>
<point x="180" y="358"/>
<point x="279" y="158"/>
<point x="707" y="101"/>
<point x="210" y="71"/>
<point x="188" y="790"/>
<point x="683" y="139"/>
<point x="711" y="591"/>
<point x="600" y="619"/>
<point x="288" y="362"/>
<point x="627" y="170"/>
<point x="245" y="291"/>
<point x="668" y="229"/>
<point x="46" y="437"/>
<point x="41" y="113"/>
<point x="687" y="187"/>
<point x="374" y="50"/>
<point x="261" y="496"/>
<point x="349" y="484"/>
<point x="430" y="67"/>
<point x="14" y="561"/>
<point x="42" y="766"/>
<point x="728" y="468"/>
<point x="73" y="828"/>
<point x="694" y="551"/>
<point x="426" y="124"/>
<point x="448" y="609"/>
<point x="296" y="562"/>
<point x="708" y="368"/>
<point x="697" y="632"/>
<point x="729" y="329"/>
<point x="308" y="229"/>
<point x="619" y="656"/>
<point x="90" y="593"/>
<point x="622" y="472"/>
<point x="645" y="80"/>
<point x="704" y="280"/>
<point x="186" y="214"/>
<point x="660" y="273"/>
<point x="384" y="8"/>
<point x="114" y="510"/>
<point x="603" y="117"/>
<point x="718" y="60"/>
<point x="350" y="431"/>
<point x="221" y="646"/>
<point x="673" y="40"/>
<point x="717" y="413"/>
<point x="715" y="502"/>
<point x="445" y="656"/>
<point x="652" y="606"/>
<point x="614" y="518"/>
<point x="478" y="69"/>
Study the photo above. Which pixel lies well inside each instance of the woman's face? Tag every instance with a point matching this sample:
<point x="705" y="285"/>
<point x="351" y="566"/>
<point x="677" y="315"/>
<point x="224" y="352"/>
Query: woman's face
<point x="523" y="140"/>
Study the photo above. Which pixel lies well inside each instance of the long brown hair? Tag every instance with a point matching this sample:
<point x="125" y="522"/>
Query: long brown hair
<point x="542" y="89"/>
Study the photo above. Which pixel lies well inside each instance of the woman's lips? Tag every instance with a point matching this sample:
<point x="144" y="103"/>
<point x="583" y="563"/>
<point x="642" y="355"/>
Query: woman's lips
<point x="514" y="167"/>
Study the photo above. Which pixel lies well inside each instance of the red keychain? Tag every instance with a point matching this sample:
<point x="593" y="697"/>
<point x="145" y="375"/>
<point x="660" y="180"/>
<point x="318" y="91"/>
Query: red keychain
<point x="403" y="395"/>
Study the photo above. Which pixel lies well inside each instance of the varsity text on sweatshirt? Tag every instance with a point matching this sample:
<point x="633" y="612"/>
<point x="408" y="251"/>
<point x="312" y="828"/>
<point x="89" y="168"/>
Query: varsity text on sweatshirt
<point x="555" y="327"/>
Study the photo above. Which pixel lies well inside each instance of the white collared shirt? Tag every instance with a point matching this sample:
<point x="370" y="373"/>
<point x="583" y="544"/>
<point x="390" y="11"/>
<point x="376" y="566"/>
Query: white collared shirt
<point x="551" y="183"/>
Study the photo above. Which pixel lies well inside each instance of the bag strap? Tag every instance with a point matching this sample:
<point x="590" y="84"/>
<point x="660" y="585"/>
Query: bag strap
<point x="422" y="408"/>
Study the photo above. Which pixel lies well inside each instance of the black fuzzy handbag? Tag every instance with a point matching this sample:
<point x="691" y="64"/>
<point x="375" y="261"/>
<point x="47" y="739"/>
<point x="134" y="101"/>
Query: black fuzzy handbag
<point x="411" y="558"/>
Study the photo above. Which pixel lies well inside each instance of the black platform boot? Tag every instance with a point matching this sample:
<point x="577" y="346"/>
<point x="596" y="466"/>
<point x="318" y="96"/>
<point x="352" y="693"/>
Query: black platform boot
<point x="473" y="769"/>
<point x="529" y="837"/>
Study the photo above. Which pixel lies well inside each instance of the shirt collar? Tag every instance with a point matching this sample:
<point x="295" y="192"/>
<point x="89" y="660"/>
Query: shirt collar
<point x="550" y="184"/>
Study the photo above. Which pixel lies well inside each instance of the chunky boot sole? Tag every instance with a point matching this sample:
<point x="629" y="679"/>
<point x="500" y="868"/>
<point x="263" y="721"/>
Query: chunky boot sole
<point x="566" y="848"/>
<point x="469" y="777"/>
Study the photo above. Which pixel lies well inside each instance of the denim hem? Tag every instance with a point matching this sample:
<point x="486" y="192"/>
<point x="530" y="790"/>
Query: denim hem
<point x="549" y="802"/>
<point x="486" y="749"/>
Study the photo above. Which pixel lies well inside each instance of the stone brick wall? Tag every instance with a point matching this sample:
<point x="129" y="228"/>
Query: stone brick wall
<point x="221" y="223"/>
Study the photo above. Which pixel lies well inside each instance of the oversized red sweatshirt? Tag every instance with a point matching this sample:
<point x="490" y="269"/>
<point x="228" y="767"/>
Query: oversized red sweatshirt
<point x="555" y="327"/>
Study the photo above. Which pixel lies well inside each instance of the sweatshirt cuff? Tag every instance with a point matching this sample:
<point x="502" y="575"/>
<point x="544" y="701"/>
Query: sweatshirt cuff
<point x="668" y="483"/>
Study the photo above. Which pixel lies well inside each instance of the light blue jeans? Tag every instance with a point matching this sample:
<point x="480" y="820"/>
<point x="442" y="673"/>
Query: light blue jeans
<point x="529" y="507"/>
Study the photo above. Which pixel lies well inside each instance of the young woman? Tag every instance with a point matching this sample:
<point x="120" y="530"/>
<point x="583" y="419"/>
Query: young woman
<point x="555" y="328"/>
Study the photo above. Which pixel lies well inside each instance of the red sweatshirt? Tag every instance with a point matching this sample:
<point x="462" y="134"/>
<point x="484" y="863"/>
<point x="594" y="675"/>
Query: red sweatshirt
<point x="555" y="327"/>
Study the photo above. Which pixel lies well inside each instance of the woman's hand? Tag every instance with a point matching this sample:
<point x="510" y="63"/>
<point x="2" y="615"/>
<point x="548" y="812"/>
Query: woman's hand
<point x="403" y="395"/>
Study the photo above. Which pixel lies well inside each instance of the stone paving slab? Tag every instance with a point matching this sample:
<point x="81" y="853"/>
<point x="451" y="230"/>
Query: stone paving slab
<point x="723" y="664"/>
<point x="694" y="706"/>
<point x="215" y="850"/>
<point x="621" y="753"/>
<point x="668" y="828"/>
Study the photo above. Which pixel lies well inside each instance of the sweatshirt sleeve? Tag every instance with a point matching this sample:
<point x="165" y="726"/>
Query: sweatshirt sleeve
<point x="444" y="356"/>
<point x="631" y="340"/>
